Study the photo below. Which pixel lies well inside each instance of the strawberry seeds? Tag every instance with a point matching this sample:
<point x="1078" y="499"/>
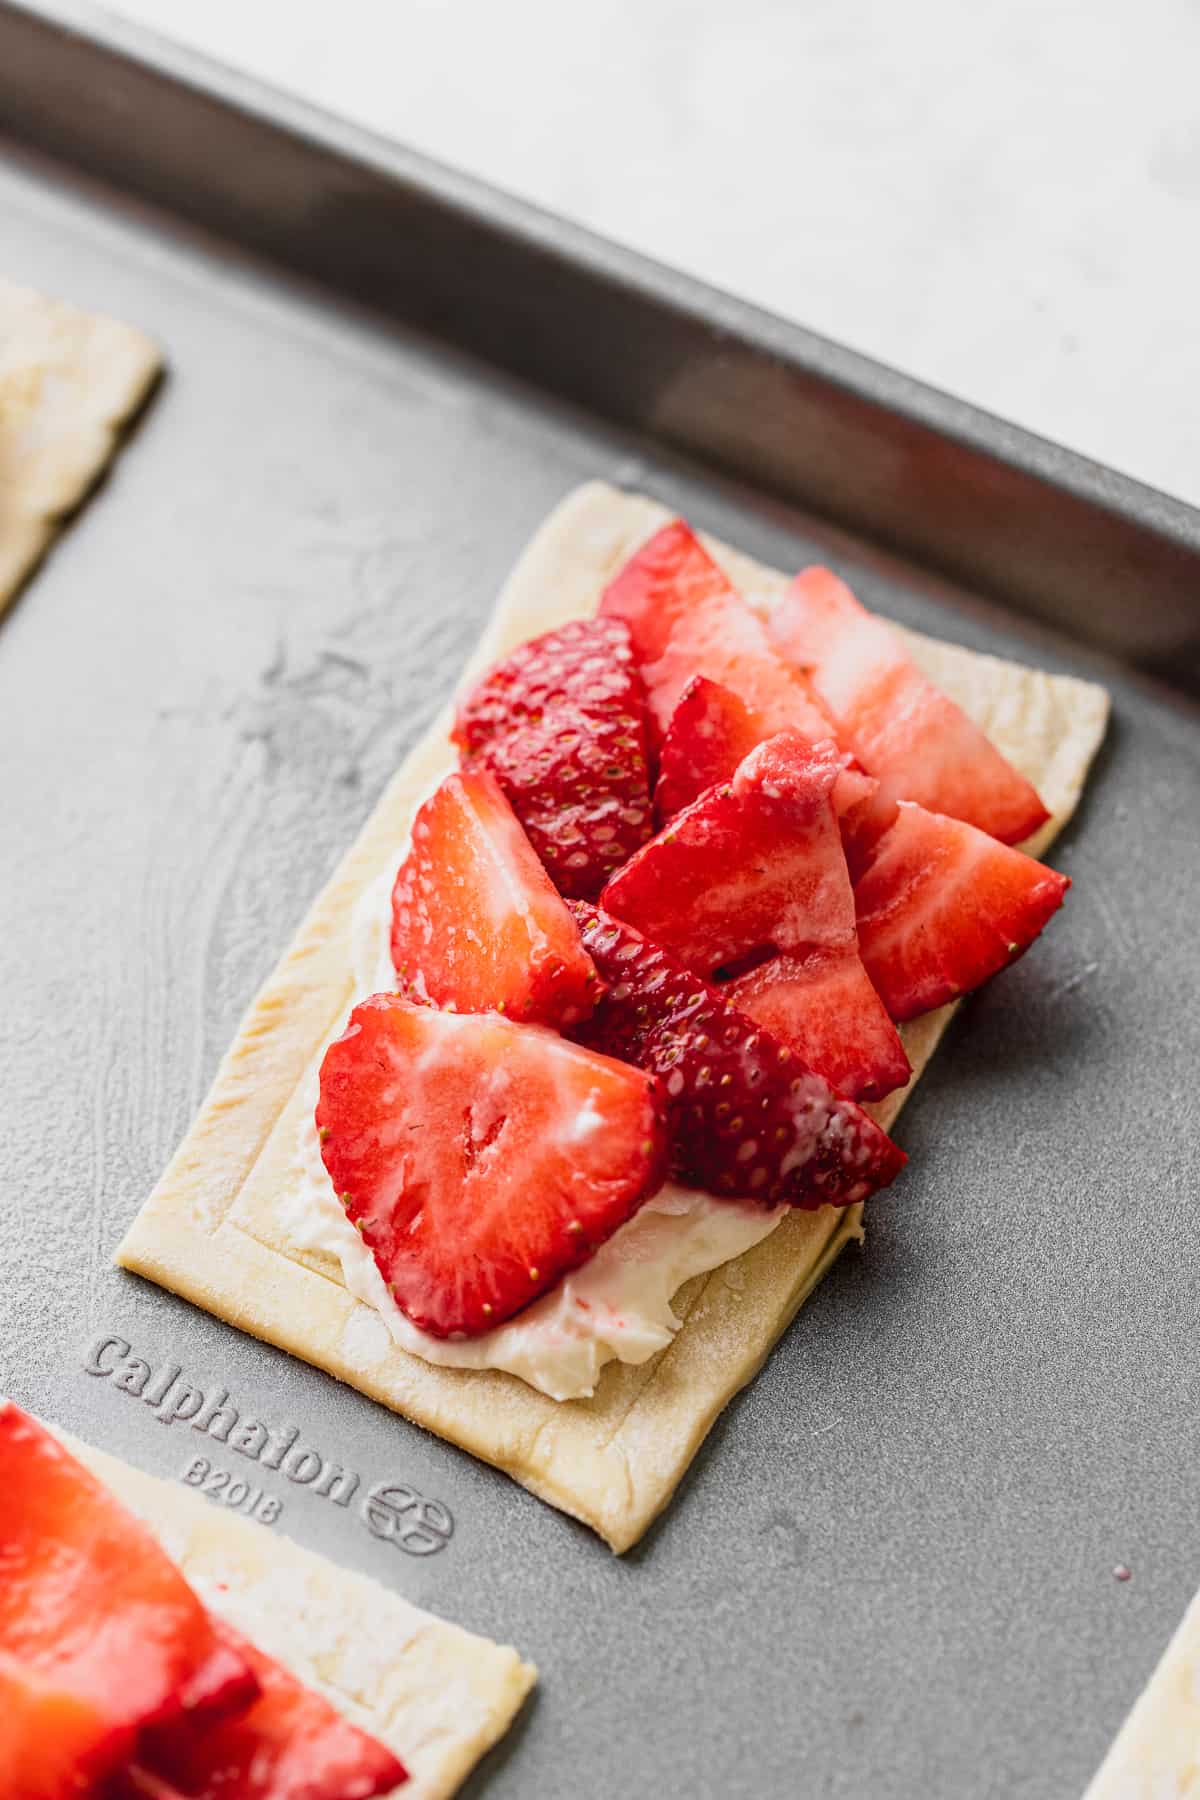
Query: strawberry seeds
<point x="584" y="1007"/>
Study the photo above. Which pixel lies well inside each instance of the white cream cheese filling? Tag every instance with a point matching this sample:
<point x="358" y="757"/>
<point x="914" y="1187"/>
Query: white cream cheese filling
<point x="618" y="1305"/>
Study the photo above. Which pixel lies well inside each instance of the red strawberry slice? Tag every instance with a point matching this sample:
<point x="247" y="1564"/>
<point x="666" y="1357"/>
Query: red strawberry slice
<point x="944" y="906"/>
<point x="476" y="922"/>
<point x="481" y="1159"/>
<point x="864" y="814"/>
<point x="100" y="1635"/>
<point x="751" y="881"/>
<point x="746" y="1116"/>
<point x="900" y="726"/>
<point x="219" y="1686"/>
<point x="561" y="724"/>
<point x="687" y="619"/>
<point x="290" y="1745"/>
<point x="824" y="1004"/>
<point x="690" y="625"/>
<point x="711" y="731"/>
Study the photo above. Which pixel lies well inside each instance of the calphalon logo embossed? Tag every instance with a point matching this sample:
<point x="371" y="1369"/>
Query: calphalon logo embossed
<point x="391" y="1510"/>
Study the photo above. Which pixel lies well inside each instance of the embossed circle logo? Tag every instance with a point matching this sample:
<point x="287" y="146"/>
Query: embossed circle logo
<point x="399" y="1515"/>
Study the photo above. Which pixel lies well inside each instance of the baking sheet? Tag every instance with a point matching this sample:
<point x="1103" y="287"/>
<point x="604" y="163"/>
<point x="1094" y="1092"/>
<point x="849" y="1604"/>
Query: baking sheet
<point x="1114" y="562"/>
<point x="890" y="1570"/>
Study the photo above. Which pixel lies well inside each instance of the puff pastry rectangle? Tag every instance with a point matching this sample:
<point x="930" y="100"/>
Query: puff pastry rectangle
<point x="435" y="1694"/>
<point x="1156" y="1755"/>
<point x="69" y="381"/>
<point x="210" y="1230"/>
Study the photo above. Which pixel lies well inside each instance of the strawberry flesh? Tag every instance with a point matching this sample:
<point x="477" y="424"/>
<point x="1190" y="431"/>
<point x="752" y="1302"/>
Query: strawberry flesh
<point x="100" y="1636"/>
<point x="824" y="1004"/>
<point x="750" y="882"/>
<point x="481" y="1160"/>
<point x="291" y="1744"/>
<point x="477" y="925"/>
<point x="690" y="627"/>
<point x="561" y="724"/>
<point x="944" y="906"/>
<point x="864" y="814"/>
<point x="708" y="734"/>
<point x="711" y="731"/>
<point x="687" y="619"/>
<point x="902" y="728"/>
<point x="747" y="1118"/>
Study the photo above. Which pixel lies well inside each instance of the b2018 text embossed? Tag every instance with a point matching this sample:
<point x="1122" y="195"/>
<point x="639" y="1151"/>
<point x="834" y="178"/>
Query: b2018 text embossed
<point x="392" y="1511"/>
<point x="231" y="1490"/>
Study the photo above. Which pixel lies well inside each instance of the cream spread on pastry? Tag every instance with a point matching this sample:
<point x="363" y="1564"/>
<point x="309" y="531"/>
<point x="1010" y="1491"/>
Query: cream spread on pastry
<point x="617" y="1305"/>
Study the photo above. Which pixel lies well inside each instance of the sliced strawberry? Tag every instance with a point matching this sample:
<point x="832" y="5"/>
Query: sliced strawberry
<point x="944" y="906"/>
<point x="750" y="881"/>
<point x="747" y="1118"/>
<point x="711" y="731"/>
<point x="823" y="1003"/>
<point x="480" y="1159"/>
<point x="717" y="685"/>
<point x="220" y="1685"/>
<point x="100" y="1635"/>
<point x="290" y="1745"/>
<point x="561" y="724"/>
<point x="864" y="814"/>
<point x="707" y="736"/>
<point x="687" y="619"/>
<point x="901" y="727"/>
<point x="476" y="923"/>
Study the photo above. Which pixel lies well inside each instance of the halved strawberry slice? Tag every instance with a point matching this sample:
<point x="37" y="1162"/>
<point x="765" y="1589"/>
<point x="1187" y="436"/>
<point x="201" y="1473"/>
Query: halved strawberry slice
<point x="687" y="619"/>
<point x="219" y="1686"/>
<point x="823" y="1003"/>
<point x="944" y="906"/>
<point x="863" y="811"/>
<point x="477" y="925"/>
<point x="290" y="1745"/>
<point x="901" y="727"/>
<point x="480" y="1159"/>
<point x="100" y="1635"/>
<point x="750" y="882"/>
<point x="747" y="1117"/>
<point x="561" y="723"/>
<point x="711" y="731"/>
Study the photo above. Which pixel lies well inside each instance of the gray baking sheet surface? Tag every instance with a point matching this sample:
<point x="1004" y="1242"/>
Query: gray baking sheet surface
<point x="890" y="1572"/>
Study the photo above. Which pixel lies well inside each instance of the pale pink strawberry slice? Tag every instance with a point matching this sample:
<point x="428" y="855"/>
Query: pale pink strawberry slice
<point x="750" y="882"/>
<point x="944" y="906"/>
<point x="747" y="1118"/>
<point x="687" y="619"/>
<point x="562" y="725"/>
<point x="481" y="1160"/>
<point x="901" y="727"/>
<point x="477" y="925"/>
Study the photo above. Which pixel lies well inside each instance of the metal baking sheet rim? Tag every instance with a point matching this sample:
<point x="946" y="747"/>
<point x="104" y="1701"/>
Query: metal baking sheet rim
<point x="1114" y="562"/>
<point x="115" y="1413"/>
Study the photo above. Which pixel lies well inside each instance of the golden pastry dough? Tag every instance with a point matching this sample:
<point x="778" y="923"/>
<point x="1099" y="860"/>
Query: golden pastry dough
<point x="1156" y="1755"/>
<point x="435" y="1694"/>
<point x="69" y="381"/>
<point x="210" y="1230"/>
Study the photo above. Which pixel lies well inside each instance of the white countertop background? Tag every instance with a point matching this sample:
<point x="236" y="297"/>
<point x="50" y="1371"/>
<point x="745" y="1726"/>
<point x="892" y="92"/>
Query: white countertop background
<point x="1002" y="199"/>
